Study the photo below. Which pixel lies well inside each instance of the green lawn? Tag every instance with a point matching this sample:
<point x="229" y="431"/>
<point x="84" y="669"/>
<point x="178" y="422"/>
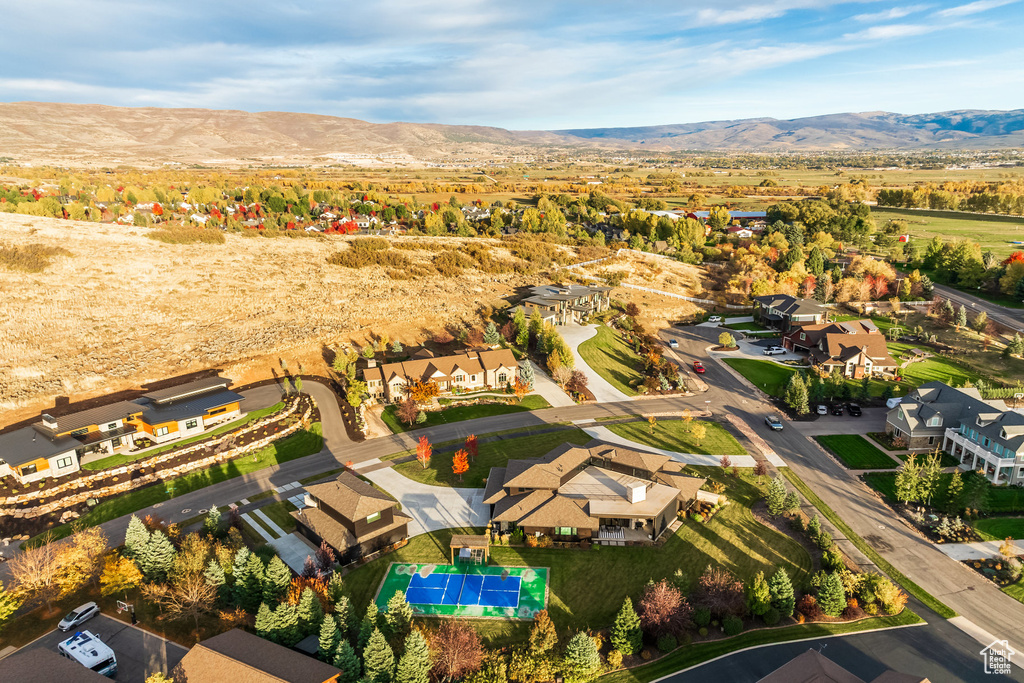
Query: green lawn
<point x="460" y="413"/>
<point x="746" y="327"/>
<point x="1001" y="499"/>
<point x="994" y="235"/>
<point x="856" y="453"/>
<point x="587" y="587"/>
<point x="936" y="368"/>
<point x="945" y="459"/>
<point x="279" y="512"/>
<point x="674" y="435"/>
<point x="122" y="458"/>
<point x="998" y="528"/>
<point x="492" y="454"/>
<point x="612" y="359"/>
<point x="298" y="445"/>
<point x="767" y="376"/>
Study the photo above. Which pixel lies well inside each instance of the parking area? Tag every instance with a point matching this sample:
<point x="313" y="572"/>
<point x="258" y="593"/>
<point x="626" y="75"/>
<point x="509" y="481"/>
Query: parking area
<point x="139" y="653"/>
<point x="872" y="420"/>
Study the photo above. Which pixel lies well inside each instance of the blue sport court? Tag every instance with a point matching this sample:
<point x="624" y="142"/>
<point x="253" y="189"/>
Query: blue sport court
<point x="463" y="589"/>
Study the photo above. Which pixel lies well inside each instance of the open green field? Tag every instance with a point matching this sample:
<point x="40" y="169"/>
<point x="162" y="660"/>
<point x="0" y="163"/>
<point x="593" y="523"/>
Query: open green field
<point x="993" y="235"/>
<point x="587" y="587"/>
<point x="1001" y="499"/>
<point x="746" y="327"/>
<point x="613" y="359"/>
<point x="936" y="368"/>
<point x="122" y="458"/>
<point x="998" y="528"/>
<point x="298" y="445"/>
<point x="460" y="413"/>
<point x="491" y="454"/>
<point x="675" y="435"/>
<point x="856" y="452"/>
<point x="769" y="377"/>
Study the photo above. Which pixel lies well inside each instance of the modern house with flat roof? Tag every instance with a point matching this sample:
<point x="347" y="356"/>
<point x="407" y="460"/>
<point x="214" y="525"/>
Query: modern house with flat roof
<point x="605" y="493"/>
<point x="784" y="312"/>
<point x="564" y="304"/>
<point x="352" y="516"/>
<point x="243" y="657"/>
<point x="55" y="446"/>
<point x="466" y="371"/>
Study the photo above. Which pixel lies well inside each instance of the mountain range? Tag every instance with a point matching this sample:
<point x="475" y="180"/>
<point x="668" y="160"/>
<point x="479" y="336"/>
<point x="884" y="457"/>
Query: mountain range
<point x="97" y="134"/>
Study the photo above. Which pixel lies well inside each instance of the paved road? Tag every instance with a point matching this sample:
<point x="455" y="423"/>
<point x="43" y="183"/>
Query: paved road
<point x="139" y="653"/>
<point x="1011" y="317"/>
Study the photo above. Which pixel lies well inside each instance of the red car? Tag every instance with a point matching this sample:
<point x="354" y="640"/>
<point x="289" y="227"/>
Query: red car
<point x="698" y="367"/>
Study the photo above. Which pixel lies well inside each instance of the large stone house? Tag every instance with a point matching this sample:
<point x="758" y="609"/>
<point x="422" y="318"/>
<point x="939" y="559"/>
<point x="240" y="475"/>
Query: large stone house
<point x="56" y="446"/>
<point x="352" y="516"/>
<point x="856" y="348"/>
<point x="784" y="312"/>
<point x="564" y="304"/>
<point x="982" y="435"/>
<point x="461" y="372"/>
<point x="604" y="493"/>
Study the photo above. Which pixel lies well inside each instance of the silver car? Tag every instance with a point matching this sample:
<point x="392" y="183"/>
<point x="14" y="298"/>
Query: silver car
<point x="79" y="615"/>
<point x="774" y="423"/>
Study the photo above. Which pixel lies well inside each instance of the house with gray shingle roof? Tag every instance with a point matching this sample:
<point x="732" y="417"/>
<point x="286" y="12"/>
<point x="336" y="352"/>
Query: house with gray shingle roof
<point x="784" y="312"/>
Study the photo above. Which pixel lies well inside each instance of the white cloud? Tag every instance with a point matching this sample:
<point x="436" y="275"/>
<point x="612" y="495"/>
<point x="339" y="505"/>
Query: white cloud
<point x="890" y="14"/>
<point x="974" y="8"/>
<point x="891" y="31"/>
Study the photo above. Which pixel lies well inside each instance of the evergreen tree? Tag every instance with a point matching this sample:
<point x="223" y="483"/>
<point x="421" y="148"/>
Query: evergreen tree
<point x="346" y="659"/>
<point x="864" y="390"/>
<point x="156" y="557"/>
<point x="815" y="262"/>
<point x="796" y="394"/>
<point x="214" y="575"/>
<point x="831" y="597"/>
<point x="276" y="580"/>
<point x="287" y="617"/>
<point x="344" y="616"/>
<point x="378" y="659"/>
<point x="814" y="526"/>
<point x="775" y="496"/>
<point x="781" y="590"/>
<point x="367" y="627"/>
<point x="759" y="597"/>
<point x="329" y="639"/>
<point x="961" y="317"/>
<point x="399" y="615"/>
<point x="335" y="591"/>
<point x="491" y="336"/>
<point x="954" y="492"/>
<point x="248" y="574"/>
<point x="522" y="331"/>
<point x="927" y="287"/>
<point x="309" y="612"/>
<point x="397" y="348"/>
<point x="543" y="636"/>
<point x="907" y="480"/>
<point x="265" y="622"/>
<point x="582" y="661"/>
<point x="627" y="635"/>
<point x="1016" y="345"/>
<point x="135" y="538"/>
<point x="980" y="322"/>
<point x="211" y="525"/>
<point x="414" y="666"/>
<point x="526" y="374"/>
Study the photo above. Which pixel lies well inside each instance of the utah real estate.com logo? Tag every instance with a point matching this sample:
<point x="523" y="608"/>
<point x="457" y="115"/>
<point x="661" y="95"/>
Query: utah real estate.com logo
<point x="996" y="657"/>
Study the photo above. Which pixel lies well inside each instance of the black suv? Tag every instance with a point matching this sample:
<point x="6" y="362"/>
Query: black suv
<point x="853" y="409"/>
<point x="837" y="409"/>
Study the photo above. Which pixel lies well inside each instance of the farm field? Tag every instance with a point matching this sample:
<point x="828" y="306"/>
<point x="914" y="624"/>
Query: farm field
<point x="994" y="235"/>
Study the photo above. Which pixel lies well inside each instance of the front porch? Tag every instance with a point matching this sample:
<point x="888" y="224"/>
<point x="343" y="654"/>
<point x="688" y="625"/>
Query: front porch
<point x="974" y="457"/>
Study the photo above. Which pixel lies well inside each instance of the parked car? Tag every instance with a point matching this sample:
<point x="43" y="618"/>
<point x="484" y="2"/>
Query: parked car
<point x="79" y="615"/>
<point x="854" y="410"/>
<point x="673" y="344"/>
<point x="715" y="319"/>
<point x="822" y="409"/>
<point x="837" y="409"/>
<point x="698" y="367"/>
<point x="774" y="423"/>
<point x="774" y="351"/>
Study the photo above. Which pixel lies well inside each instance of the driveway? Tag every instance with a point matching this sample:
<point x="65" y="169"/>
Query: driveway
<point x="982" y="550"/>
<point x="549" y="389"/>
<point x="873" y="420"/>
<point x="432" y="507"/>
<point x="603" y="392"/>
<point x="139" y="653"/>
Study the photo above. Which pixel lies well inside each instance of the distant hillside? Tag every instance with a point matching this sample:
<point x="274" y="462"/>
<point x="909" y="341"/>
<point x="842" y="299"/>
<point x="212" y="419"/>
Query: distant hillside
<point x="97" y="134"/>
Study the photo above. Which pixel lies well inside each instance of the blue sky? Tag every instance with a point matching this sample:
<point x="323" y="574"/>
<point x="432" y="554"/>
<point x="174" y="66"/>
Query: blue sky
<point x="523" y="64"/>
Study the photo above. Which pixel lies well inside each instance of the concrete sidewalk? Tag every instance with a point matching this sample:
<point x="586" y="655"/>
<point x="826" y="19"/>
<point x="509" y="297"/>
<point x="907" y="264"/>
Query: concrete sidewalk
<point x="982" y="550"/>
<point x="603" y="392"/>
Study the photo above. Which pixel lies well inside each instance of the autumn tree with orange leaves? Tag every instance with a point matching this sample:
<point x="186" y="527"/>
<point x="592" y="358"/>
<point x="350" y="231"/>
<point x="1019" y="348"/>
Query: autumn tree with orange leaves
<point x="423" y="451"/>
<point x="460" y="462"/>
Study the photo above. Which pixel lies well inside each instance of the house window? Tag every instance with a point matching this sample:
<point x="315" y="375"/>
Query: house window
<point x="935" y="421"/>
<point x="373" y="518"/>
<point x="28" y="469"/>
<point x="191" y="424"/>
<point x="79" y="432"/>
<point x="460" y="378"/>
<point x="65" y="462"/>
<point x="216" y="411"/>
<point x="566" y="531"/>
<point x="160" y="431"/>
<point x="803" y="336"/>
<point x="502" y="378"/>
<point x="112" y="425"/>
<point x="472" y="378"/>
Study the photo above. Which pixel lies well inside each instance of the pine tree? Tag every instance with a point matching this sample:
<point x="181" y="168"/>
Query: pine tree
<point x="526" y="374"/>
<point x="367" y="626"/>
<point x="214" y="575"/>
<point x="399" y="615"/>
<point x="831" y="597"/>
<point x="346" y="659"/>
<point x="815" y="264"/>
<point x="264" y="622"/>
<point x="396" y="347"/>
<point x="239" y="572"/>
<point x="335" y="591"/>
<point x="344" y="616"/>
<point x="961" y="317"/>
<point x="582" y="661"/>
<point x="627" y="635"/>
<point x="157" y="556"/>
<point x="287" y="617"/>
<point x="814" y="526"/>
<point x="781" y="590"/>
<point x="954" y="491"/>
<point x="759" y="597"/>
<point x="378" y="659"/>
<point x="543" y="636"/>
<point x="329" y="638"/>
<point x="775" y="496"/>
<point x="248" y="589"/>
<point x="276" y="580"/>
<point x="135" y="538"/>
<point x="491" y="336"/>
<point x="907" y="480"/>
<point x="414" y="666"/>
<point x="310" y="612"/>
<point x="211" y="525"/>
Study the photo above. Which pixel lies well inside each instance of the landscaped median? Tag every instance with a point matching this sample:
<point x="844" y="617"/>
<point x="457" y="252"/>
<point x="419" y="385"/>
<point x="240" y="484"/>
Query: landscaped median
<point x="856" y="452"/>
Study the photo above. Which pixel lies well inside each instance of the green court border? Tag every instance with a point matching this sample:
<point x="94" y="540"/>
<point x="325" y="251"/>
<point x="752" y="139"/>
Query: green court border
<point x="533" y="593"/>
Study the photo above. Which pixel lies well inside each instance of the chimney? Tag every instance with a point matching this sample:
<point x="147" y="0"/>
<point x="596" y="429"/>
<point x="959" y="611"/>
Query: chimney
<point x="49" y="421"/>
<point x="371" y="362"/>
<point x="636" y="492"/>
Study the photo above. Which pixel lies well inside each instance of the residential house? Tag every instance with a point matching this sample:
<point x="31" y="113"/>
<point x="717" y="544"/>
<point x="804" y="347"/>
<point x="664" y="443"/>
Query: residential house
<point x="742" y="233"/>
<point x="604" y="493"/>
<point x="55" y="446"/>
<point x="236" y="655"/>
<point x="814" y="667"/>
<point x="564" y="304"/>
<point x="352" y="516"/>
<point x="784" y="312"/>
<point x="42" y="665"/>
<point x="470" y="370"/>
<point x="856" y="348"/>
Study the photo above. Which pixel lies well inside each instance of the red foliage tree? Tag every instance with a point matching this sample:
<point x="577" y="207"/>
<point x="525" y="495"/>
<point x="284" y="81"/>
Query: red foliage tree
<point x="664" y="610"/>
<point x="720" y="592"/>
<point x="457" y="650"/>
<point x="424" y="451"/>
<point x="460" y="463"/>
<point x="1015" y="256"/>
<point x="408" y="410"/>
<point x="472" y="446"/>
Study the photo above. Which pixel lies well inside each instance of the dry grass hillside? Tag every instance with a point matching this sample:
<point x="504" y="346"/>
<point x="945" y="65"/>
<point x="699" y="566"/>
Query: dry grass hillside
<point x="122" y="309"/>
